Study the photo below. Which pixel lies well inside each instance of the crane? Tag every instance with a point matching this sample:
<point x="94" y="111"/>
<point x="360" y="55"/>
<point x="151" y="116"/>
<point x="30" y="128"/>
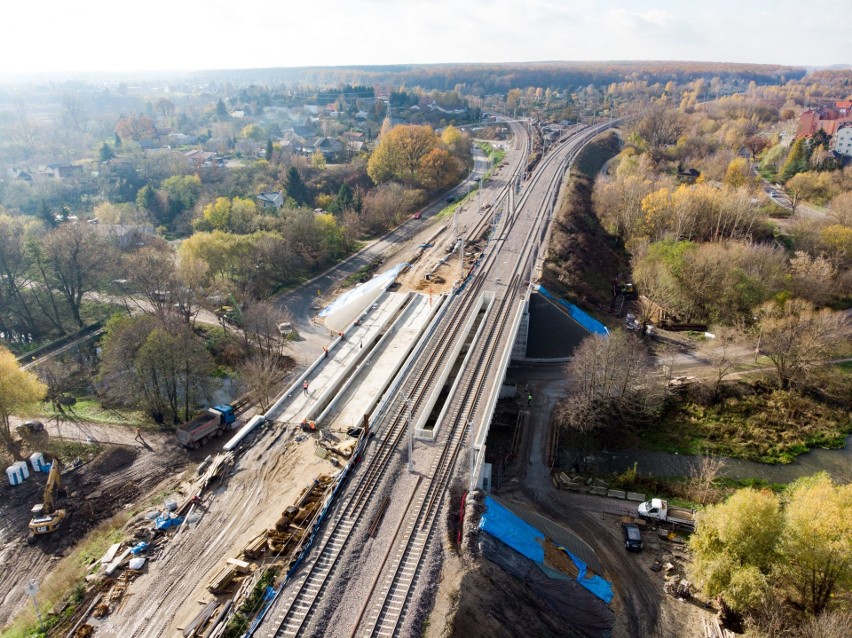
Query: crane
<point x="46" y="518"/>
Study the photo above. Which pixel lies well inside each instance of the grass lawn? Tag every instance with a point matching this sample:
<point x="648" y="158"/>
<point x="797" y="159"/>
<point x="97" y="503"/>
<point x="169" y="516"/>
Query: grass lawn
<point x="774" y="427"/>
<point x="92" y="411"/>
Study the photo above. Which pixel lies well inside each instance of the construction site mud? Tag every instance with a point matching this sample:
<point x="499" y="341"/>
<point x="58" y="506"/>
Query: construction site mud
<point x="115" y="479"/>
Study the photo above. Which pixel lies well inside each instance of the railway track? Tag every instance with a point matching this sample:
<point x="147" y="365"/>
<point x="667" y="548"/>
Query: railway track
<point x="391" y="594"/>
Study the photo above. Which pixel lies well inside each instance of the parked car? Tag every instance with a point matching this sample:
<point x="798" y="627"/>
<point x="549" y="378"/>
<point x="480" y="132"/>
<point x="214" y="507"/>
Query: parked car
<point x="632" y="537"/>
<point x="451" y="199"/>
<point x="417" y="215"/>
<point x="30" y="427"/>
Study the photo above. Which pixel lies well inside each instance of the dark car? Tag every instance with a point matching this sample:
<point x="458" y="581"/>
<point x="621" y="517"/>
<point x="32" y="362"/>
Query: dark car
<point x="450" y="199"/>
<point x="632" y="537"/>
<point x="30" y="427"/>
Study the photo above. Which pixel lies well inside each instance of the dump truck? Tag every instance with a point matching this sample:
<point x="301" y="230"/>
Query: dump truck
<point x="206" y="425"/>
<point x="659" y="509"/>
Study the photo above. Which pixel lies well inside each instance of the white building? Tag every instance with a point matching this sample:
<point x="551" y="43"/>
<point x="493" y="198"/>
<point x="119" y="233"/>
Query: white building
<point x="843" y="141"/>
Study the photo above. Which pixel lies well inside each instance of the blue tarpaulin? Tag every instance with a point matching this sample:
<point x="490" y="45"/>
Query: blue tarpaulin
<point x="597" y="585"/>
<point x="525" y="539"/>
<point x="505" y="526"/>
<point x="588" y="322"/>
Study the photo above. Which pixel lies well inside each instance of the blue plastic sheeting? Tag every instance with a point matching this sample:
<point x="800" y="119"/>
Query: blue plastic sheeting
<point x="597" y="585"/>
<point x="525" y="539"/>
<point x="589" y="323"/>
<point x="505" y="526"/>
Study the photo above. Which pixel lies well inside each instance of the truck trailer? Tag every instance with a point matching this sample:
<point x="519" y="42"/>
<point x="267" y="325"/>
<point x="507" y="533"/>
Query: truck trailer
<point x="659" y="510"/>
<point x="205" y="426"/>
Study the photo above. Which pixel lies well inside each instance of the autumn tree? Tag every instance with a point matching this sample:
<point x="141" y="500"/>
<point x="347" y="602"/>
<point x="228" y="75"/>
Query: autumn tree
<point x="840" y="208"/>
<point x="796" y="337"/>
<point x="399" y="154"/>
<point x="735" y="546"/>
<point x="739" y="173"/>
<point x="17" y="389"/>
<point x="238" y="215"/>
<point x="163" y="369"/>
<point x="78" y="260"/>
<point x="816" y="546"/>
<point x="758" y="548"/>
<point x="660" y="126"/>
<point x="136" y="128"/>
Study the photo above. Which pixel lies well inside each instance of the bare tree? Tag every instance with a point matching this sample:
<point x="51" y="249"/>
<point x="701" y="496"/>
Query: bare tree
<point x="797" y="338"/>
<point x="261" y="335"/>
<point x="660" y="126"/>
<point x="60" y="377"/>
<point x="719" y="353"/>
<point x="79" y="260"/>
<point x="610" y="378"/>
<point x="705" y="470"/>
<point x="262" y="377"/>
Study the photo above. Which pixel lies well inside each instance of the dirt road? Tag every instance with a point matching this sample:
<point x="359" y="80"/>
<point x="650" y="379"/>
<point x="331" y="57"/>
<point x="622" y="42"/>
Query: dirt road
<point x="641" y="608"/>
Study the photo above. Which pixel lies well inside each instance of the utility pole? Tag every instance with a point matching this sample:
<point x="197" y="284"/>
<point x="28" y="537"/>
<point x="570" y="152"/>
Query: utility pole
<point x="410" y="435"/>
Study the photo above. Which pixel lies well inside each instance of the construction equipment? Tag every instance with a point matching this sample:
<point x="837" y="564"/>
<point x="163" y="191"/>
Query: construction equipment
<point x="205" y="426"/>
<point x="46" y="518"/>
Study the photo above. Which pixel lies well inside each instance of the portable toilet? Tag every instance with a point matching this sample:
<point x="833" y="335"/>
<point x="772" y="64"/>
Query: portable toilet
<point x="13" y="473"/>
<point x="25" y="470"/>
<point x="37" y="461"/>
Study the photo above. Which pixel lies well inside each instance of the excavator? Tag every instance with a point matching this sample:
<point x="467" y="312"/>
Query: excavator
<point x="46" y="518"/>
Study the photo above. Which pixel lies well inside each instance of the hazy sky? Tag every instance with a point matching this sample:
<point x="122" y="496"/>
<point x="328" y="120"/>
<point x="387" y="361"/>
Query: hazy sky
<point x="117" y="35"/>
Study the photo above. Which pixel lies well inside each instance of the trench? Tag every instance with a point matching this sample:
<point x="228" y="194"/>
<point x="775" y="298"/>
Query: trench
<point x="441" y="401"/>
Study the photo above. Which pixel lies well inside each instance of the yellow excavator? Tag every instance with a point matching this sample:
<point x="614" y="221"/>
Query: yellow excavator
<point x="46" y="518"/>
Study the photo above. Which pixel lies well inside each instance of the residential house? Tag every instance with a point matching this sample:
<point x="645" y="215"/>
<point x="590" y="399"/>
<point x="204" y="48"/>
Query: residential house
<point x="199" y="158"/>
<point x="61" y="171"/>
<point x="843" y="141"/>
<point x="826" y="118"/>
<point x="271" y="199"/>
<point x="20" y="174"/>
<point x="330" y="148"/>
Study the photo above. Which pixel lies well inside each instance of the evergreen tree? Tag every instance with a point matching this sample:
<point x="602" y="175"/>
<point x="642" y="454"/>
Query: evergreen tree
<point x="117" y="140"/>
<point x="269" y="149"/>
<point x="106" y="153"/>
<point x="797" y="160"/>
<point x="344" y="199"/>
<point x="221" y="111"/>
<point x="295" y="187"/>
<point x="44" y="214"/>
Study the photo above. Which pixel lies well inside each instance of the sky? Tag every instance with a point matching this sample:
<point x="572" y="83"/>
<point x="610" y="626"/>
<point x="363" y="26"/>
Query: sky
<point x="152" y="35"/>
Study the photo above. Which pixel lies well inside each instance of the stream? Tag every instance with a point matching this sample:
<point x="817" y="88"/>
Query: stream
<point x="837" y="463"/>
